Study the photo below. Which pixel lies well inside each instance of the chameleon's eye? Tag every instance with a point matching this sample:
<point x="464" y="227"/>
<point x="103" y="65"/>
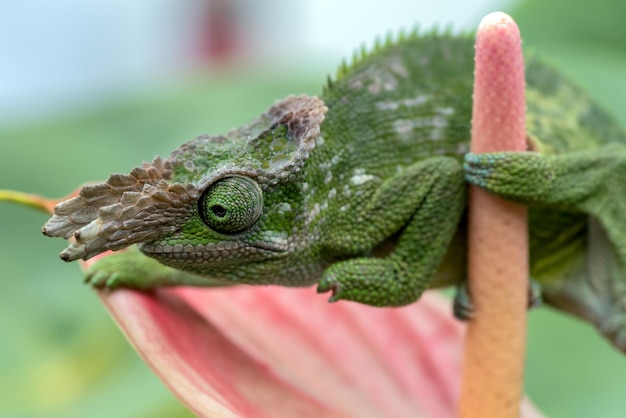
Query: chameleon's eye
<point x="231" y="204"/>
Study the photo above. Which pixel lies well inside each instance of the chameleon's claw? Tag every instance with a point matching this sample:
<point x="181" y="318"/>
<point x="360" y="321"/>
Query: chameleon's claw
<point x="463" y="308"/>
<point x="328" y="284"/>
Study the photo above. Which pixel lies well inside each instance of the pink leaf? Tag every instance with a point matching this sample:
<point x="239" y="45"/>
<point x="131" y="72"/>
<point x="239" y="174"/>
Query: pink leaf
<point x="270" y="351"/>
<point x="279" y="352"/>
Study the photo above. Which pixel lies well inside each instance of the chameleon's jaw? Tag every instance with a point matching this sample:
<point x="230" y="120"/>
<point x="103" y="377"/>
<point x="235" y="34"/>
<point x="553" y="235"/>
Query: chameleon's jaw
<point x="180" y="251"/>
<point x="210" y="252"/>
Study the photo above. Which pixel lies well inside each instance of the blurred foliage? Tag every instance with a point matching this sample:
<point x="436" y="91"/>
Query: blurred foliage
<point x="586" y="40"/>
<point x="60" y="354"/>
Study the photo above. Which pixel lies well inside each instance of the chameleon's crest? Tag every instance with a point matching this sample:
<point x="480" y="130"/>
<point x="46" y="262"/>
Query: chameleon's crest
<point x="155" y="199"/>
<point x="269" y="148"/>
<point x="381" y="46"/>
<point x="299" y="117"/>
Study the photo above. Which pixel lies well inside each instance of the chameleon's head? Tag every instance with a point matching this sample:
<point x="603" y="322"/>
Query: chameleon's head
<point x="217" y="204"/>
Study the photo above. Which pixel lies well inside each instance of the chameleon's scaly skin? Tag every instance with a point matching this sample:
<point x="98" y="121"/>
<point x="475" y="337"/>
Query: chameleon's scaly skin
<point x="363" y="191"/>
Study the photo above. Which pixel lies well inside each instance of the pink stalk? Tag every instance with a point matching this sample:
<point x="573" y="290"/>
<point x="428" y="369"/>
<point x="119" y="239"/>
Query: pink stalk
<point x="492" y="383"/>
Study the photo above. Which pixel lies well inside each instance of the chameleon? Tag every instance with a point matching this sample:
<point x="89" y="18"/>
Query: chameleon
<point x="363" y="191"/>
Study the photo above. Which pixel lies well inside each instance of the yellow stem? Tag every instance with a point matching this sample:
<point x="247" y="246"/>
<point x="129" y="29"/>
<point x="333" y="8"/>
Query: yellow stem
<point x="26" y="199"/>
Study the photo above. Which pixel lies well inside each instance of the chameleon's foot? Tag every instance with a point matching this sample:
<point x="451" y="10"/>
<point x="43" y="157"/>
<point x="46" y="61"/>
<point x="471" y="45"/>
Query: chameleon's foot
<point x="371" y="281"/>
<point x="131" y="269"/>
<point x="463" y="307"/>
<point x="124" y="269"/>
<point x="102" y="279"/>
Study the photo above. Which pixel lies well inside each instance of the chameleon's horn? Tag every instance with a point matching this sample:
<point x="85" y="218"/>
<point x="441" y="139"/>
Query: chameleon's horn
<point x="124" y="210"/>
<point x="72" y="214"/>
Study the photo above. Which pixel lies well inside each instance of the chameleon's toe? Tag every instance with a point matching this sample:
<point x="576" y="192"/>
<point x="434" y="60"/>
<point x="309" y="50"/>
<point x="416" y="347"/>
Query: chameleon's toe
<point x="109" y="273"/>
<point x="329" y="284"/>
<point x="479" y="168"/>
<point x="342" y="286"/>
<point x="463" y="308"/>
<point x="102" y="279"/>
<point x="341" y="289"/>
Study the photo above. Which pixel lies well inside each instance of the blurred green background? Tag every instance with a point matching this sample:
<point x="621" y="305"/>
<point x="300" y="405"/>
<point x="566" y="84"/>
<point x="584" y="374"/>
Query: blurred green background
<point x="61" y="355"/>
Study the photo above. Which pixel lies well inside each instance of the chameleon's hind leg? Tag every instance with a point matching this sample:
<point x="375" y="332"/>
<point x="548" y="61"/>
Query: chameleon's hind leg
<point x="428" y="198"/>
<point x="591" y="182"/>
<point x="596" y="292"/>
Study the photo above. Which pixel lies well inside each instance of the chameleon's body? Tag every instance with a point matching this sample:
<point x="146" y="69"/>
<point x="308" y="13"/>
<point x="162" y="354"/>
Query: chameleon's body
<point x="363" y="191"/>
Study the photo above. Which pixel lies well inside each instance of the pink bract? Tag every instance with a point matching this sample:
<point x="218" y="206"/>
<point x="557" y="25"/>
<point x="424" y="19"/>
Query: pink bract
<point x="277" y="352"/>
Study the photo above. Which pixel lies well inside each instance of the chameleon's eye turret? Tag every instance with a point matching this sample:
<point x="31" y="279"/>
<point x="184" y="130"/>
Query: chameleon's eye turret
<point x="231" y="204"/>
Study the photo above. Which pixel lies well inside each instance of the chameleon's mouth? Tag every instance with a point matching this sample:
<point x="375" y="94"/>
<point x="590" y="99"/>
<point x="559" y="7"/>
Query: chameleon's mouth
<point x="210" y="251"/>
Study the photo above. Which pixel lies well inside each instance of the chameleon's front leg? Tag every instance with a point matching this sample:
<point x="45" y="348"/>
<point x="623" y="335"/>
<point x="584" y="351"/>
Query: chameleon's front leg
<point x="435" y="191"/>
<point x="590" y="182"/>
<point x="130" y="268"/>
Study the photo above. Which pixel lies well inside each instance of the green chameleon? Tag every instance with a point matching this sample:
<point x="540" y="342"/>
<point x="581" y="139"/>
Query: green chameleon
<point x="364" y="189"/>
